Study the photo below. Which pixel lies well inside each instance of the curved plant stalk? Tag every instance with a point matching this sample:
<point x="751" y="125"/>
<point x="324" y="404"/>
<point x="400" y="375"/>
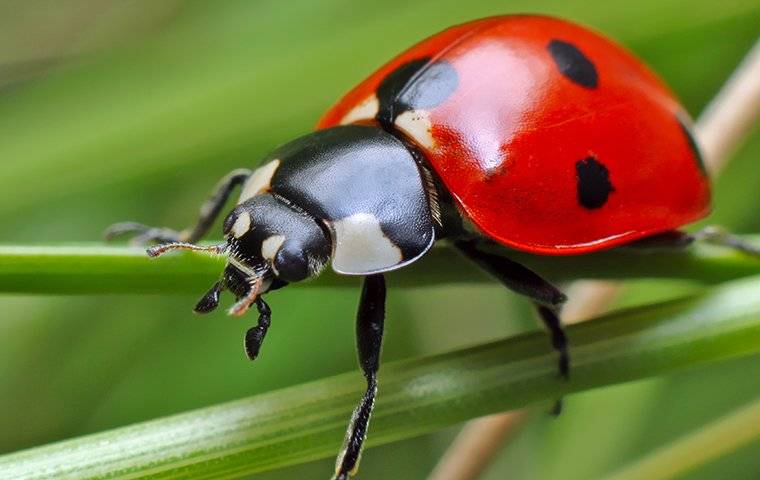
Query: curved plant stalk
<point x="732" y="113"/>
<point x="710" y="442"/>
<point x="306" y="422"/>
<point x="104" y="269"/>
<point x="476" y="445"/>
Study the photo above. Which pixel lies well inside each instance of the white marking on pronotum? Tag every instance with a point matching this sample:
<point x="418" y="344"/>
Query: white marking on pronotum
<point x="366" y="110"/>
<point x="416" y="124"/>
<point x="242" y="224"/>
<point x="260" y="180"/>
<point x="361" y="246"/>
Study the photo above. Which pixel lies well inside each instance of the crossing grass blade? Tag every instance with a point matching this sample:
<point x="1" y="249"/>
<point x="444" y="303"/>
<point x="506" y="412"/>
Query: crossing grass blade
<point x="306" y="422"/>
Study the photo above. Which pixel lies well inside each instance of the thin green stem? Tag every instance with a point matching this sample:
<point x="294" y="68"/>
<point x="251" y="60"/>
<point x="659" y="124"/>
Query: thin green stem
<point x="710" y="442"/>
<point x="108" y="269"/>
<point x="306" y="422"/>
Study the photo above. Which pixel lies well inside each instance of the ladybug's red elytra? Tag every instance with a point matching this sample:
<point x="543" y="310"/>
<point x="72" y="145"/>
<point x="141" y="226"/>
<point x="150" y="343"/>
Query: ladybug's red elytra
<point x="525" y="132"/>
<point x="551" y="138"/>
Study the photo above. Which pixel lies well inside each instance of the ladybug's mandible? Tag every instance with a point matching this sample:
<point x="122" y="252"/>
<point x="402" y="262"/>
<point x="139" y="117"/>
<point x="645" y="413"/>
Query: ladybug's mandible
<point x="525" y="131"/>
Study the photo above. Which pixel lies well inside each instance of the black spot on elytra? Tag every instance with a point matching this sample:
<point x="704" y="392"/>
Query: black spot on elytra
<point x="692" y="144"/>
<point x="573" y="63"/>
<point x="594" y="186"/>
<point x="416" y="84"/>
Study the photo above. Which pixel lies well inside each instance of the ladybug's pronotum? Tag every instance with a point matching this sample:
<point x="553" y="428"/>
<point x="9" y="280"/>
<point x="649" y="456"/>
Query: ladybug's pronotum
<point x="524" y="132"/>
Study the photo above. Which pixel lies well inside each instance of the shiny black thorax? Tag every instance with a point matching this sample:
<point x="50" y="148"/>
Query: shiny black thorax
<point x="341" y="171"/>
<point x="351" y="192"/>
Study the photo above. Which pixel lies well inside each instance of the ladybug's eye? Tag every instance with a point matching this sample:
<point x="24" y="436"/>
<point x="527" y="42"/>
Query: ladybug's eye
<point x="294" y="265"/>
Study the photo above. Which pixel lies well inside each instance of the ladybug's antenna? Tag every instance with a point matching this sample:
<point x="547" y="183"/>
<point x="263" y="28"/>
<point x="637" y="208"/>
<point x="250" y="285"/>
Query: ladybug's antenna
<point x="158" y="250"/>
<point x="242" y="305"/>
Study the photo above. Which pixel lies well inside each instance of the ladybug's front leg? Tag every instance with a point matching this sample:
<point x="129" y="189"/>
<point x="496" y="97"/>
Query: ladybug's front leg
<point x="208" y="213"/>
<point x="369" y="338"/>
<point x="255" y="335"/>
<point x="547" y="298"/>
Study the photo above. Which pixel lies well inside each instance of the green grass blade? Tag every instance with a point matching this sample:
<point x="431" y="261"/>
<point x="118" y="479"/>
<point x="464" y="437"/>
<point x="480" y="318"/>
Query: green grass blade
<point x="101" y="269"/>
<point x="719" y="438"/>
<point x="306" y="422"/>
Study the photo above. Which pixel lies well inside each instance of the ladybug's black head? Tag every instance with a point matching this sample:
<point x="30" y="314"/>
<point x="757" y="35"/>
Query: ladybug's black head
<point x="269" y="243"/>
<point x="267" y="236"/>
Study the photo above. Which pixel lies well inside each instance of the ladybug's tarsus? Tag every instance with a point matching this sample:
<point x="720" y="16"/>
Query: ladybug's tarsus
<point x="556" y="409"/>
<point x="369" y="338"/>
<point x="209" y="211"/>
<point x="717" y="236"/>
<point x="712" y="235"/>
<point x="210" y="300"/>
<point x="254" y="337"/>
<point x="142" y="234"/>
<point x="552" y="321"/>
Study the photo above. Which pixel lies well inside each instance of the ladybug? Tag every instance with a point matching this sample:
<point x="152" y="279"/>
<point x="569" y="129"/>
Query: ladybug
<point x="521" y="132"/>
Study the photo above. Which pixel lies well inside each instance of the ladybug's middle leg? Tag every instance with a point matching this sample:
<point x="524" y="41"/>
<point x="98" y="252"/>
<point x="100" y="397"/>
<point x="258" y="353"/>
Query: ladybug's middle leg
<point x="208" y="213"/>
<point x="550" y="316"/>
<point x="370" y="319"/>
<point x="547" y="298"/>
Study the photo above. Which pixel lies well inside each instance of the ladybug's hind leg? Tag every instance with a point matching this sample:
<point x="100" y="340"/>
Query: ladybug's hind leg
<point x="143" y="234"/>
<point x="713" y="235"/>
<point x="718" y="236"/>
<point x="370" y="319"/>
<point x="547" y="298"/>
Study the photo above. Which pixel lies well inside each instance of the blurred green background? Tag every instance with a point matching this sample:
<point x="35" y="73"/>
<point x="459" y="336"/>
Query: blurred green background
<point x="114" y="110"/>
